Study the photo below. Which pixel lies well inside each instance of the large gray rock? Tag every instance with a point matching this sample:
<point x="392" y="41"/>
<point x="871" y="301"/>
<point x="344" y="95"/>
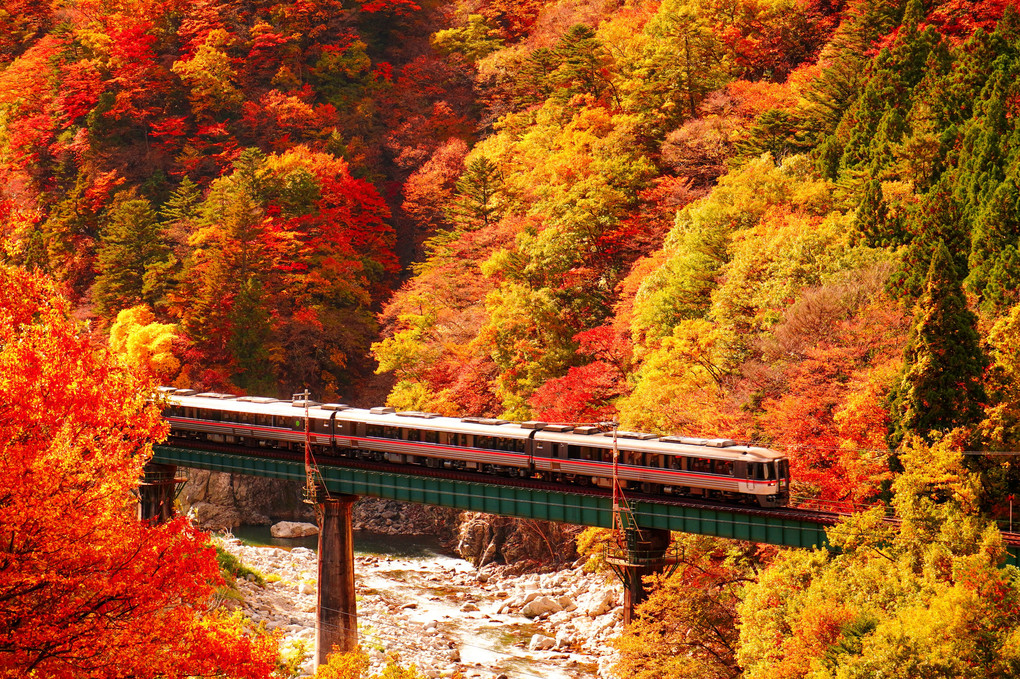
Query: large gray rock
<point x="540" y="606"/>
<point x="600" y="603"/>
<point x="224" y="501"/>
<point x="293" y="529"/>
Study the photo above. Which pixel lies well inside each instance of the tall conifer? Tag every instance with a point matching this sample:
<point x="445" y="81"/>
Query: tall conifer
<point x="941" y="386"/>
<point x="132" y="245"/>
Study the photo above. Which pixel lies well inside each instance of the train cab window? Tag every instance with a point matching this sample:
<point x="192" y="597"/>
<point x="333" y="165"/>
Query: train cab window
<point x="784" y="469"/>
<point x="723" y="467"/>
<point x="759" y="471"/>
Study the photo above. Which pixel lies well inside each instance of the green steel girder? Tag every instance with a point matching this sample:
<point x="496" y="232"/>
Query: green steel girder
<point x="589" y="510"/>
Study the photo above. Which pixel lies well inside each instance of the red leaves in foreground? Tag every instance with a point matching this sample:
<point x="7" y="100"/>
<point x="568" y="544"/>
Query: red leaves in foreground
<point x="85" y="588"/>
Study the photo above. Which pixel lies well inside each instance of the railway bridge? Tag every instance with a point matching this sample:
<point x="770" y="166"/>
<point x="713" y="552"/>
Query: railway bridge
<point x="342" y="482"/>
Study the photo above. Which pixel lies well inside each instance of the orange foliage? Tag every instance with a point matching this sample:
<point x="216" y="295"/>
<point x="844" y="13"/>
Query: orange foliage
<point x="85" y="588"/>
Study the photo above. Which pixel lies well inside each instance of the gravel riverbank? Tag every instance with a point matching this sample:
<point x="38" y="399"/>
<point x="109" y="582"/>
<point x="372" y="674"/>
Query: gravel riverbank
<point x="440" y="614"/>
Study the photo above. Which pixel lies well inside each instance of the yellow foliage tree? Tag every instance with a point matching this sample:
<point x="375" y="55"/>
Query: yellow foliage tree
<point x="354" y="665"/>
<point x="140" y="342"/>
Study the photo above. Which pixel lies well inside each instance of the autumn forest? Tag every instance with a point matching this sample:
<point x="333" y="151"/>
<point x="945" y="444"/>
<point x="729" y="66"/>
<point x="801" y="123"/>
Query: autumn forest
<point x="789" y="222"/>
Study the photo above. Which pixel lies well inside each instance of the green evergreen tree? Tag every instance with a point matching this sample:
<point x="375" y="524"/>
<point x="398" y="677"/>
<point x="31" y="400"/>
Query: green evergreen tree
<point x="996" y="229"/>
<point x="941" y="386"/>
<point x="251" y="332"/>
<point x="937" y="219"/>
<point x="182" y="205"/>
<point x="476" y="202"/>
<point x="584" y="64"/>
<point x="1002" y="290"/>
<point x="131" y="251"/>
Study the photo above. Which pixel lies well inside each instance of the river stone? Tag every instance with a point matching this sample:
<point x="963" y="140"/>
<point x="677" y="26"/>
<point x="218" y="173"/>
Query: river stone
<point x="540" y="606"/>
<point x="293" y="529"/>
<point x="540" y="642"/>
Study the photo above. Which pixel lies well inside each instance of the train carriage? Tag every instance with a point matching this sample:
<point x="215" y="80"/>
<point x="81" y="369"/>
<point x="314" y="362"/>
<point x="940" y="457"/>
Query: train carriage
<point x="671" y="465"/>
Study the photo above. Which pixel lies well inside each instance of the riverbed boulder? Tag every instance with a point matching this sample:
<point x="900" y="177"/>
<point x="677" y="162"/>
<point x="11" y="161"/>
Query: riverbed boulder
<point x="540" y="642"/>
<point x="540" y="606"/>
<point x="293" y="529"/>
<point x="600" y="602"/>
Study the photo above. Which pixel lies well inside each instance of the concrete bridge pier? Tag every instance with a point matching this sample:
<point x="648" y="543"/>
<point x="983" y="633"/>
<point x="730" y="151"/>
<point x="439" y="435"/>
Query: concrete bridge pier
<point x="336" y="623"/>
<point x="157" y="492"/>
<point x="642" y="553"/>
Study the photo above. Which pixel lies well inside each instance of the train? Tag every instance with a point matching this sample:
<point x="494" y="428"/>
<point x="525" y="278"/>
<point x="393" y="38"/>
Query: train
<point x="676" y="466"/>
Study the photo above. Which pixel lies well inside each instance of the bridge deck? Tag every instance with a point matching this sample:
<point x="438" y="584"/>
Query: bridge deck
<point x="520" y="497"/>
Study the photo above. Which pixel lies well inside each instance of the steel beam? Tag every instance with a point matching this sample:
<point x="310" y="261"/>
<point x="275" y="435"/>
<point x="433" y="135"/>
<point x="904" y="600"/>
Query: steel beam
<point x="562" y="506"/>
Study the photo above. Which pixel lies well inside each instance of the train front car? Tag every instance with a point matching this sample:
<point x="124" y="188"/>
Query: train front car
<point x="671" y="465"/>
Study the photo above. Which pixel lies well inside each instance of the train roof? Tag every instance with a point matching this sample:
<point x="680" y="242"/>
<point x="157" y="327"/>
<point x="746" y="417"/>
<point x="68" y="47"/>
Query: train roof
<point x="591" y="436"/>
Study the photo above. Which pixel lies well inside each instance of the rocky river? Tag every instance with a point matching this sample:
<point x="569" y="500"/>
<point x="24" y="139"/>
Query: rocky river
<point x="441" y="614"/>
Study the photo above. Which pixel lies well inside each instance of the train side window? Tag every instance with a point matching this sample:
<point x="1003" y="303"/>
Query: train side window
<point x="521" y="445"/>
<point x="574" y="452"/>
<point x="460" y="440"/>
<point x="483" y="442"/>
<point x="701" y="465"/>
<point x="724" y="467"/>
<point x="412" y="434"/>
<point x="430" y="436"/>
<point x="213" y="415"/>
<point x="676" y="462"/>
<point x="374" y="431"/>
<point x="391" y="432"/>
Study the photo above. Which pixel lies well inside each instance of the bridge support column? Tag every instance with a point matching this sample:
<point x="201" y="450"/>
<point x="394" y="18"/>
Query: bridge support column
<point x="642" y="553"/>
<point x="336" y="621"/>
<point x="157" y="492"/>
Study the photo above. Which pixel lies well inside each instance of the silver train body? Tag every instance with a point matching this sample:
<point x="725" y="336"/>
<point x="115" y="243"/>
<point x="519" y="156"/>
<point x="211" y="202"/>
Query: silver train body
<point x="670" y="465"/>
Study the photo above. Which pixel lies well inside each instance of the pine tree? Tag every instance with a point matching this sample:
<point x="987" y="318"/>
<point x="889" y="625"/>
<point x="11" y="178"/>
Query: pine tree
<point x="132" y="245"/>
<point x="584" y="64"/>
<point x="476" y="202"/>
<point x="938" y="218"/>
<point x="941" y="386"/>
<point x="996" y="228"/>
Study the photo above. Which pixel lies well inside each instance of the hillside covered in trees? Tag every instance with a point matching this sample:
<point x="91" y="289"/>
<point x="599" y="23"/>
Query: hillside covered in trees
<point x="792" y="222"/>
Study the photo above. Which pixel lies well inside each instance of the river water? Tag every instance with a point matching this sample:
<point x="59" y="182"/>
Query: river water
<point x="407" y="572"/>
<point x="365" y="543"/>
